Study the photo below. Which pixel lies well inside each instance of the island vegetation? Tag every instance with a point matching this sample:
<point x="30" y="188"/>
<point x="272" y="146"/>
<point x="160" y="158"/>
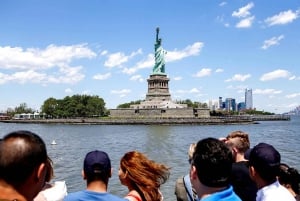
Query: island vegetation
<point x="87" y="106"/>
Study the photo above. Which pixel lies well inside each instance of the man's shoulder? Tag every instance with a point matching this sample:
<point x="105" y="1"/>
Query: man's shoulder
<point x="74" y="196"/>
<point x="91" y="195"/>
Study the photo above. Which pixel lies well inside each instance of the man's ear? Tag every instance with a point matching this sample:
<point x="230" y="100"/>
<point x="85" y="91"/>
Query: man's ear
<point x="193" y="173"/>
<point x="83" y="175"/>
<point x="252" y="172"/>
<point x="41" y="172"/>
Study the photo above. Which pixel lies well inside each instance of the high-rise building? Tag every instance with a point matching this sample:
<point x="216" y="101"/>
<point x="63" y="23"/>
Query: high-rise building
<point x="248" y="99"/>
<point x="230" y="104"/>
<point x="220" y="103"/>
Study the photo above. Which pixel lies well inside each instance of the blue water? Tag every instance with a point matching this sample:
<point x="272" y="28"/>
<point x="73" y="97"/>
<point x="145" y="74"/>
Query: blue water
<point x="166" y="144"/>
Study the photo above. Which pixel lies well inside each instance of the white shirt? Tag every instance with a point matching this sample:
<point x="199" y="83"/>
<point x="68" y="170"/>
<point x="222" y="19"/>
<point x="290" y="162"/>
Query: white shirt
<point x="274" y="192"/>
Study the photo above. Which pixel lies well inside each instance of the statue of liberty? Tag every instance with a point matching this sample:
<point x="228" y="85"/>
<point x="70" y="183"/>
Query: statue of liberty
<point x="159" y="66"/>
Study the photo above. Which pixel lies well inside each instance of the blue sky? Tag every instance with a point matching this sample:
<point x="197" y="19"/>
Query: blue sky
<point x="214" y="48"/>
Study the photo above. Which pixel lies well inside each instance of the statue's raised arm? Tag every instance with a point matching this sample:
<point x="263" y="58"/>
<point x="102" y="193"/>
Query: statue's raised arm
<point x="159" y="66"/>
<point x="157" y="32"/>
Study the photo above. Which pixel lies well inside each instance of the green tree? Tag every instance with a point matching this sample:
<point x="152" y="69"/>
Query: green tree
<point x="127" y="105"/>
<point x="22" y="108"/>
<point x="75" y="106"/>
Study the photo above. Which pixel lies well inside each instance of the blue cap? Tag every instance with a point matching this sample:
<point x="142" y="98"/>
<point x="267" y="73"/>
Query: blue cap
<point x="96" y="162"/>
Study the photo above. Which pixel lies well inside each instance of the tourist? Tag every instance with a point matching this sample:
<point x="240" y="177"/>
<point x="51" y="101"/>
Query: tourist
<point x="243" y="185"/>
<point x="142" y="176"/>
<point x="23" y="166"/>
<point x="96" y="171"/>
<point x="290" y="178"/>
<point x="183" y="186"/>
<point x="52" y="191"/>
<point x="264" y="162"/>
<point x="210" y="171"/>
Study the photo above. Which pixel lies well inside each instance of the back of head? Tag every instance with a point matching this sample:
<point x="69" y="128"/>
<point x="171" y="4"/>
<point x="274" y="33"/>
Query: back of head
<point x="289" y="176"/>
<point x="239" y="140"/>
<point x="265" y="159"/>
<point x="97" y="166"/>
<point x="213" y="161"/>
<point x="20" y="153"/>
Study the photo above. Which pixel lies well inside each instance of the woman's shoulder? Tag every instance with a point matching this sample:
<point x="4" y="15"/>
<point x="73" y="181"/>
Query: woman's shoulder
<point x="133" y="196"/>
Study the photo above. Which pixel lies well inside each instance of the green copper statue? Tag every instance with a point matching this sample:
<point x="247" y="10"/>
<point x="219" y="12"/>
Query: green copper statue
<point x="159" y="66"/>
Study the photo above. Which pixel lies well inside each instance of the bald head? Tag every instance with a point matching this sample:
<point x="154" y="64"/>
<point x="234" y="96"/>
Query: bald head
<point x="21" y="152"/>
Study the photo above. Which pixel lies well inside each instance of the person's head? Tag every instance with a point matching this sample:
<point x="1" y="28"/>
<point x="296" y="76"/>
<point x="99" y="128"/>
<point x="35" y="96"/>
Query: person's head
<point x="144" y="175"/>
<point x="23" y="162"/>
<point x="238" y="142"/>
<point x="264" y="160"/>
<point x="289" y="177"/>
<point x="212" y="163"/>
<point x="96" y="167"/>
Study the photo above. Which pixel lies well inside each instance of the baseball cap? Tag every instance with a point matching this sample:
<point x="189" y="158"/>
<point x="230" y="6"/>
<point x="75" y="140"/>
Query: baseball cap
<point x="263" y="155"/>
<point x="96" y="162"/>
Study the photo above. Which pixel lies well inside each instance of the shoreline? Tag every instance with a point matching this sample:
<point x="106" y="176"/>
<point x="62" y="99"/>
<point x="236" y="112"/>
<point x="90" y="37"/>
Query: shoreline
<point x="229" y="120"/>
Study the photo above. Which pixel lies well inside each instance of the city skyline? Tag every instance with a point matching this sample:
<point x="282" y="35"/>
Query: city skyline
<point x="216" y="49"/>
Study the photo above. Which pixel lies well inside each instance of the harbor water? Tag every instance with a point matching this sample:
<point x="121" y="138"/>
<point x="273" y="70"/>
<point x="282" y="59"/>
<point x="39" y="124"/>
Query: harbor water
<point x="165" y="144"/>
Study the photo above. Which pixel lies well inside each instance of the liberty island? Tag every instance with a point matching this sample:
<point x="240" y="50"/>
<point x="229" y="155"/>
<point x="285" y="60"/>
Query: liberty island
<point x="158" y="101"/>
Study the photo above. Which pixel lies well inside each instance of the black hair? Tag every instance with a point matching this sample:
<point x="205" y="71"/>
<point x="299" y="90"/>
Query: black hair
<point x="213" y="161"/>
<point x="20" y="153"/>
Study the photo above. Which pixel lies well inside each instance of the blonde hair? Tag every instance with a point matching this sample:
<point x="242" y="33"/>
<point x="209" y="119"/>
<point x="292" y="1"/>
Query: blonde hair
<point x="239" y="139"/>
<point x="191" y="150"/>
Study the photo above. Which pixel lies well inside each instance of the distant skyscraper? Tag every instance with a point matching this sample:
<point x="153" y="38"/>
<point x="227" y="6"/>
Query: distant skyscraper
<point x="230" y="104"/>
<point x="220" y="103"/>
<point x="248" y="99"/>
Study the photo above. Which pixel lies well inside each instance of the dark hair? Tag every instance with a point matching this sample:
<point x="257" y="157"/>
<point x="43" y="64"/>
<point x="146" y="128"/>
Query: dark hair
<point x="20" y="153"/>
<point x="289" y="175"/>
<point x="213" y="161"/>
<point x="99" y="173"/>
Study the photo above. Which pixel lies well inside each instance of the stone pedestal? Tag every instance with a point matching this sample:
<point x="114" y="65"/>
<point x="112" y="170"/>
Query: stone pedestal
<point x="158" y="88"/>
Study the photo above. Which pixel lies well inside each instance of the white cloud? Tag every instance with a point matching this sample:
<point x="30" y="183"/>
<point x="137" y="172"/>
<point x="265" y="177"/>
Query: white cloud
<point x="147" y="63"/>
<point x="294" y="95"/>
<point x="68" y="91"/>
<point x="194" y="90"/>
<point x="102" y="76"/>
<point x="267" y="91"/>
<point x="191" y="91"/>
<point x="177" y="78"/>
<point x="137" y="78"/>
<point x="275" y="75"/>
<point x="191" y="50"/>
<point x="203" y="72"/>
<point x="121" y="93"/>
<point x="34" y="58"/>
<point x="118" y="58"/>
<point x="272" y="41"/>
<point x="238" y="77"/>
<point x="35" y="64"/>
<point x="223" y="3"/>
<point x="245" y="23"/>
<point x="219" y="70"/>
<point x="104" y="52"/>
<point x="243" y="11"/>
<point x="284" y="17"/>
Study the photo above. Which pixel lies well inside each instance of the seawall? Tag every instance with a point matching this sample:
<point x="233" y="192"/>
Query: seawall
<point x="155" y="121"/>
